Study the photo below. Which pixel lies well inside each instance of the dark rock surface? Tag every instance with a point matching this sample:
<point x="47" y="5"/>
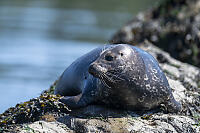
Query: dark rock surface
<point x="174" y="26"/>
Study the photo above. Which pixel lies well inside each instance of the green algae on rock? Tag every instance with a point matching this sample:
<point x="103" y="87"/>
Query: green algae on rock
<point x="33" y="110"/>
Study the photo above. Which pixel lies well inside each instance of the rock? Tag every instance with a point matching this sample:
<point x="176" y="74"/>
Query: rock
<point x="173" y="26"/>
<point x="45" y="127"/>
<point x="47" y="114"/>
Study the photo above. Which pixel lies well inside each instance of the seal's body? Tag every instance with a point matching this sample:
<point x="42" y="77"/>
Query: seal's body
<point x="120" y="75"/>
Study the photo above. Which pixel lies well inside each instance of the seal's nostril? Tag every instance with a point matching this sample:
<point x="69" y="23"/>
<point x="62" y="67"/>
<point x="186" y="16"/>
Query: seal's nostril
<point x="92" y="69"/>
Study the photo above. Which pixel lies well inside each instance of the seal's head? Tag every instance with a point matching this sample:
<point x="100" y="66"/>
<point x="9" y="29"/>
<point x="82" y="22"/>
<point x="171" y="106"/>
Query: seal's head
<point x="112" y="62"/>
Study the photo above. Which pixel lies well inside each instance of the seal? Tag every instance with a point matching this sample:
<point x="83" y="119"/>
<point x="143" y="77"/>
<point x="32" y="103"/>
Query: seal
<point x="121" y="76"/>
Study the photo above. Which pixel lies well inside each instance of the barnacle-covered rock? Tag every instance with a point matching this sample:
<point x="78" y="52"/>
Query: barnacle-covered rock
<point x="173" y="26"/>
<point x="33" y="110"/>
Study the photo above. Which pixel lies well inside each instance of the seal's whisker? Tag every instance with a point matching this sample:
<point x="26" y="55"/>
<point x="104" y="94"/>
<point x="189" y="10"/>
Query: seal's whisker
<point x="102" y="80"/>
<point x="114" y="71"/>
<point x="108" y="78"/>
<point x="115" y="76"/>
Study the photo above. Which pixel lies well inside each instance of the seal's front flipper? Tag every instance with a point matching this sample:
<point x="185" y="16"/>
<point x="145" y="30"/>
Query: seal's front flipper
<point x="75" y="102"/>
<point x="173" y="106"/>
<point x="71" y="101"/>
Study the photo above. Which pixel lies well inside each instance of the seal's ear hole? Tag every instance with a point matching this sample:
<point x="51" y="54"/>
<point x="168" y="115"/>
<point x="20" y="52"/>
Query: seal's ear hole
<point x="109" y="58"/>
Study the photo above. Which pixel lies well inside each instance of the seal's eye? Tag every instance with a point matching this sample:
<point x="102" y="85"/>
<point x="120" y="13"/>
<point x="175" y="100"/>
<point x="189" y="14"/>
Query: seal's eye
<point x="121" y="54"/>
<point x="108" y="58"/>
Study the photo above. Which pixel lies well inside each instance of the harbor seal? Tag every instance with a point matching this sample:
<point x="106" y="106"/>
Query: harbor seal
<point x="121" y="76"/>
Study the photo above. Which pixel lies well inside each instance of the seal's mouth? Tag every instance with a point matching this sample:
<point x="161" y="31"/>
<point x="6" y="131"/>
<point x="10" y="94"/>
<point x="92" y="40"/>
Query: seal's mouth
<point x="92" y="70"/>
<point x="99" y="72"/>
<point x="96" y="70"/>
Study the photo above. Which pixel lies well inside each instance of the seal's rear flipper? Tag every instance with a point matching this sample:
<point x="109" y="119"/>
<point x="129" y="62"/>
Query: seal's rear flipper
<point x="173" y="106"/>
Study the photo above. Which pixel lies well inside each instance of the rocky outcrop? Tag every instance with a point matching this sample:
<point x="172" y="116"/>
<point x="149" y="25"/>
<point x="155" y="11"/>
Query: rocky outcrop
<point x="53" y="116"/>
<point x="173" y="26"/>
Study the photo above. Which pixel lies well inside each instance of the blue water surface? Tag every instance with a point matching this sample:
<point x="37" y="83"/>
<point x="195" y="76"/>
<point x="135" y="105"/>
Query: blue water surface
<point x="31" y="67"/>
